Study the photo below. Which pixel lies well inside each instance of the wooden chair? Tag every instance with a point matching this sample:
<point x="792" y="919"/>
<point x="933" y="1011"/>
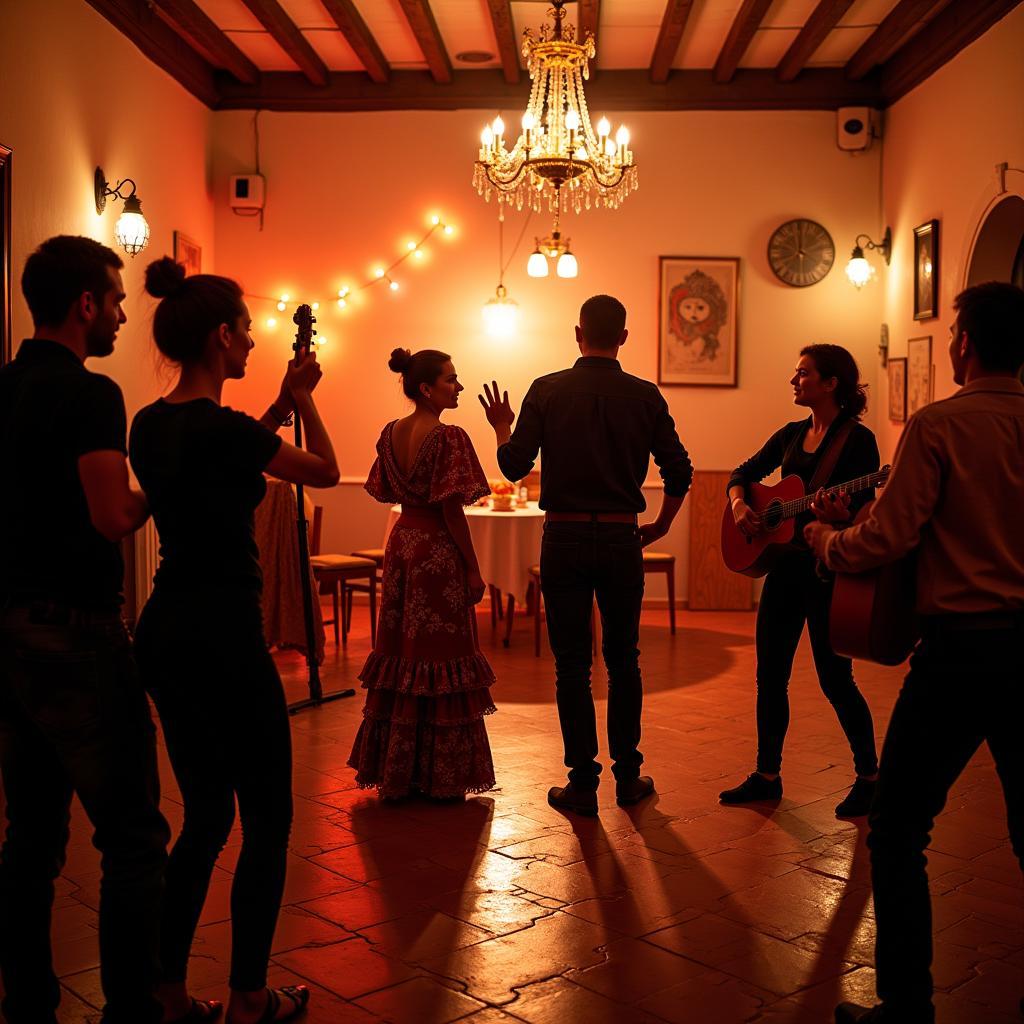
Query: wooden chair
<point x="662" y="561"/>
<point x="335" y="574"/>
<point x="377" y="556"/>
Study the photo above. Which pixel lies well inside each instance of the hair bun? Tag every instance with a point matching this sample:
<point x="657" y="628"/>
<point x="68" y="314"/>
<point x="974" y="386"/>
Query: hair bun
<point x="164" y="277"/>
<point x="400" y="359"/>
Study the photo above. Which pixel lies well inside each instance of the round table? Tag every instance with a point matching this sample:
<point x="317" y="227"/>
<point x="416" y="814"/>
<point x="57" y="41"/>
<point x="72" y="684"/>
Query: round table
<point x="506" y="544"/>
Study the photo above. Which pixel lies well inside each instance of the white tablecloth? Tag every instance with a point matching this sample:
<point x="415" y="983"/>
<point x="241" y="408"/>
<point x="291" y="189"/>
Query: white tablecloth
<point x="506" y="543"/>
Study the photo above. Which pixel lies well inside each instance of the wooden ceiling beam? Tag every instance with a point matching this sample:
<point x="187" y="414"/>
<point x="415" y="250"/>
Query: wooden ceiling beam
<point x="746" y="23"/>
<point x="136" y="20"/>
<point x="198" y="29"/>
<point x="359" y="37"/>
<point x="823" y="19"/>
<point x="275" y="19"/>
<point x="424" y="27"/>
<point x="673" y="25"/>
<point x="895" y="29"/>
<point x="939" y="42"/>
<point x="750" y="89"/>
<point x="505" y="33"/>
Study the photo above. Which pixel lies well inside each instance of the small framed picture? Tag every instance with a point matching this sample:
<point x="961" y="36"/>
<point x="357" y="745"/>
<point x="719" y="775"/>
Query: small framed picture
<point x="898" y="390"/>
<point x="919" y="373"/>
<point x="926" y="271"/>
<point x="698" y="337"/>
<point x="187" y="252"/>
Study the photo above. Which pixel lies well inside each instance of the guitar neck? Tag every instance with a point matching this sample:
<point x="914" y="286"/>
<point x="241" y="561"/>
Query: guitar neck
<point x="862" y="483"/>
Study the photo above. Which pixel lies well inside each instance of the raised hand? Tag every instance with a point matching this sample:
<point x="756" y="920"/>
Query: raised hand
<point x="302" y="375"/>
<point x="499" y="412"/>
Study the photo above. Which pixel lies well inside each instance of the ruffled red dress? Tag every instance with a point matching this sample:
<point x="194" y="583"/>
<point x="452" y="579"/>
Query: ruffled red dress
<point x="426" y="680"/>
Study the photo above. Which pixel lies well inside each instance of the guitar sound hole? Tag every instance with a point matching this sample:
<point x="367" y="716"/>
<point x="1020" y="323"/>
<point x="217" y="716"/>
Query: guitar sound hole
<point x="771" y="517"/>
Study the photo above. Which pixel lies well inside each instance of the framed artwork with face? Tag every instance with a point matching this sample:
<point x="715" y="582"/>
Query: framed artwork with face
<point x="926" y="271"/>
<point x="698" y="336"/>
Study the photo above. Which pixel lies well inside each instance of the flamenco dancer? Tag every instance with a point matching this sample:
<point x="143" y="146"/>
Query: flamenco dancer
<point x="426" y="680"/>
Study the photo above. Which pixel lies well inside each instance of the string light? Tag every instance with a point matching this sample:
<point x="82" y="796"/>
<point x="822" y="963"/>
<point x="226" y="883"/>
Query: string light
<point x="380" y="274"/>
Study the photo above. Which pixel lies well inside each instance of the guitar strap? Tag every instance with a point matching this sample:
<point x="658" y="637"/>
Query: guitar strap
<point x="827" y="464"/>
<point x="822" y="472"/>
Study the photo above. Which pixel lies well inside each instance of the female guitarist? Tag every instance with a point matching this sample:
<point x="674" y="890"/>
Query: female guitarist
<point x="827" y="382"/>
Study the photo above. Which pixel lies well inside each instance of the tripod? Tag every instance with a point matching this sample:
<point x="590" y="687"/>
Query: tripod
<point x="304" y="321"/>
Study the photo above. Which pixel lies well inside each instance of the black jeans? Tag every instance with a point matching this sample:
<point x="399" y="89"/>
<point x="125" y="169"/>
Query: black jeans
<point x="794" y="594"/>
<point x="963" y="689"/>
<point x="222" y="707"/>
<point x="577" y="562"/>
<point x="74" y="719"/>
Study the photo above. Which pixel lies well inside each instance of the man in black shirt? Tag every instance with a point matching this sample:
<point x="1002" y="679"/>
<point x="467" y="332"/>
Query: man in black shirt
<point x="596" y="428"/>
<point x="73" y="717"/>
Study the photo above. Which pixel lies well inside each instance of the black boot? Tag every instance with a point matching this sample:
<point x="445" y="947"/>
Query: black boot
<point x="569" y="798"/>
<point x="633" y="791"/>
<point x="858" y="800"/>
<point x="753" y="789"/>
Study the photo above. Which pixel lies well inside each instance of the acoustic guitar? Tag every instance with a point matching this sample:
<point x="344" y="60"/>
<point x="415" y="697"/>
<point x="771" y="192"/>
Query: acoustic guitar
<point x="872" y="615"/>
<point x="777" y="507"/>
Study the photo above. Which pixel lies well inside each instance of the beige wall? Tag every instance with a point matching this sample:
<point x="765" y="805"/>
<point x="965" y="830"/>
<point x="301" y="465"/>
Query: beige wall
<point x="346" y="191"/>
<point x="942" y="144"/>
<point x="75" y="93"/>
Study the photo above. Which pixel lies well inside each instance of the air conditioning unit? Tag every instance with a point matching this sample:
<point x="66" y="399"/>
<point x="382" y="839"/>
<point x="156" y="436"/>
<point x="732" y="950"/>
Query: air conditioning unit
<point x="857" y="127"/>
<point x="247" y="191"/>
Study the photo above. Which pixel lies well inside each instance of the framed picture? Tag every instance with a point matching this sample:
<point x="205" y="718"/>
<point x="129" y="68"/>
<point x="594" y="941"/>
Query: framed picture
<point x="188" y="252"/>
<point x="898" y="390"/>
<point x="698" y="339"/>
<point x="926" y="271"/>
<point x="919" y="373"/>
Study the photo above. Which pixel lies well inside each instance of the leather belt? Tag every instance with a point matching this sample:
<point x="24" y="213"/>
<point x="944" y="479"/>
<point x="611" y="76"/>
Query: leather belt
<point x="591" y="517"/>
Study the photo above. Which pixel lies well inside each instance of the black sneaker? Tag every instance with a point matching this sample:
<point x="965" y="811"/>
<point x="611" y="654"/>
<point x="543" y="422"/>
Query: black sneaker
<point x="633" y="791"/>
<point x="579" y="801"/>
<point x="858" y="800"/>
<point x="753" y="789"/>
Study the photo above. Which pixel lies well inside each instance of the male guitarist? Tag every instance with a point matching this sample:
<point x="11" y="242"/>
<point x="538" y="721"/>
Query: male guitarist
<point x="955" y="494"/>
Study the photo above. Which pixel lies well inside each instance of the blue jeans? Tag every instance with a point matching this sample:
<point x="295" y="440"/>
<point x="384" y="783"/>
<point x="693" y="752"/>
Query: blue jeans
<point x="578" y="562"/>
<point x="74" y="719"/>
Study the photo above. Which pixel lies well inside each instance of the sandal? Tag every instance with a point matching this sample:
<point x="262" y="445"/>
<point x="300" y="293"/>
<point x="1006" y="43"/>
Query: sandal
<point x="298" y="994"/>
<point x="200" y="1010"/>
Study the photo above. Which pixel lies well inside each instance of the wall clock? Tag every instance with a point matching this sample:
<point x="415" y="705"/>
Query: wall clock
<point x="801" y="252"/>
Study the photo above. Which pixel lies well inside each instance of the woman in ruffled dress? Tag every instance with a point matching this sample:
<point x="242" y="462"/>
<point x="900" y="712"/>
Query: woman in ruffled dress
<point x="426" y="680"/>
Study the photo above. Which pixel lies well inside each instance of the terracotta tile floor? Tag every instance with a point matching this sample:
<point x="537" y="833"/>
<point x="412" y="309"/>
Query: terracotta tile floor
<point x="503" y="910"/>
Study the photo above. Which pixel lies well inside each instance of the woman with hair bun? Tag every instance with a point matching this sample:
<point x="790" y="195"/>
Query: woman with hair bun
<point x="827" y="382"/>
<point x="426" y="680"/>
<point x="199" y="641"/>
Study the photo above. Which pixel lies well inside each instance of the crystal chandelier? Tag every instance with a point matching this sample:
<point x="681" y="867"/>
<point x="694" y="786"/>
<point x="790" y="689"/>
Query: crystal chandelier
<point x="558" y="157"/>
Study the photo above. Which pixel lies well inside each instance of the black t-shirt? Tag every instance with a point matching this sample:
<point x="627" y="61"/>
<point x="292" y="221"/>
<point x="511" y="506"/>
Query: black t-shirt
<point x="784" y="449"/>
<point x="53" y="411"/>
<point x="201" y="467"/>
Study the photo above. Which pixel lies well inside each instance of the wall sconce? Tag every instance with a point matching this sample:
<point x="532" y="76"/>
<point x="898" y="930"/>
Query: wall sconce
<point x="858" y="270"/>
<point x="131" y="230"/>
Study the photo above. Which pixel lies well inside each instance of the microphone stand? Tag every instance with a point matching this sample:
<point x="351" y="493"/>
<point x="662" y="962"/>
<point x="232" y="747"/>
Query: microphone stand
<point x="304" y="320"/>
